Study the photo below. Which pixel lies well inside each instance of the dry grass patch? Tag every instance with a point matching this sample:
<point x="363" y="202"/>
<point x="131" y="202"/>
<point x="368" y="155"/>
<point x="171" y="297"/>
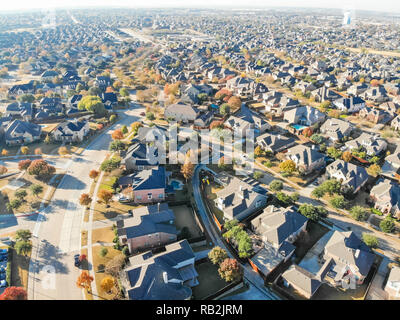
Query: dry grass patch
<point x="103" y="235"/>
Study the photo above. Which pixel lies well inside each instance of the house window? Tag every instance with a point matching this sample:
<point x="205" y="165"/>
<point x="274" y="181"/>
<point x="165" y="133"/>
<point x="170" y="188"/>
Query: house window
<point x="161" y="196"/>
<point x="139" y="197"/>
<point x="149" y="196"/>
<point x="140" y="167"/>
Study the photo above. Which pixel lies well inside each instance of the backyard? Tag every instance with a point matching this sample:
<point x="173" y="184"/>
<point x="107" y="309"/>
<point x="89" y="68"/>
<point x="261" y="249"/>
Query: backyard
<point x="184" y="217"/>
<point x="209" y="280"/>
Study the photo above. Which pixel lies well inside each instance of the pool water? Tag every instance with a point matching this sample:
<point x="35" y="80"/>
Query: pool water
<point x="177" y="185"/>
<point x="299" y="126"/>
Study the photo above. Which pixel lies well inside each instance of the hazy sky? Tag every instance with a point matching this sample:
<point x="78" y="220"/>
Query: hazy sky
<point x="380" y="5"/>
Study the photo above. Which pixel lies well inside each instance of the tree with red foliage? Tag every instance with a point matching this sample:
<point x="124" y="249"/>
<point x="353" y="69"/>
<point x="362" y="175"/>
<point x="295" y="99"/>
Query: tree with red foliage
<point x="14" y="293"/>
<point x="93" y="174"/>
<point x="85" y="199"/>
<point x="230" y="270"/>
<point x="307" y="132"/>
<point x="84" y="281"/>
<point x="24" y="164"/>
<point x="221" y="94"/>
<point x="40" y="168"/>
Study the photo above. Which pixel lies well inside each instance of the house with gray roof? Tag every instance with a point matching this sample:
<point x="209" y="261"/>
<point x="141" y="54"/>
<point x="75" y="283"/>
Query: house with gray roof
<point x="22" y="110"/>
<point x="71" y="131"/>
<point x="351" y="176"/>
<point x="19" y="132"/>
<point x="336" y="129"/>
<point x="274" y="142"/>
<point x="392" y="286"/>
<point x="391" y="166"/>
<point x="238" y="200"/>
<point x="247" y="119"/>
<point x="386" y="196"/>
<point x="301" y="280"/>
<point x="140" y="156"/>
<point x="149" y="227"/>
<point x="373" y="144"/>
<point x="181" y="112"/>
<point x="280" y="227"/>
<point x="304" y="115"/>
<point x="347" y="258"/>
<point x="349" y="105"/>
<point x="168" y="275"/>
<point x="306" y="159"/>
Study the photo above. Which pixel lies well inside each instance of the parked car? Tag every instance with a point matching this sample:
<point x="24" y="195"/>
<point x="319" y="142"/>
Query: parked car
<point x="3" y="283"/>
<point x="77" y="262"/>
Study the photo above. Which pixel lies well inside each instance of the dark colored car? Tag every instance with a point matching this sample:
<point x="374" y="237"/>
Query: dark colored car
<point x="77" y="261"/>
<point x="142" y="114"/>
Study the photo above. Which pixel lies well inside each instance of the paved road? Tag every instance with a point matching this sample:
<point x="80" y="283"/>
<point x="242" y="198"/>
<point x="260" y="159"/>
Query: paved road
<point x="250" y="275"/>
<point x="57" y="230"/>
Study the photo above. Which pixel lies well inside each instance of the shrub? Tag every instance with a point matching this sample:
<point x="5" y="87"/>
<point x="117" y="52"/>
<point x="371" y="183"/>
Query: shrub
<point x="276" y="185"/>
<point x="387" y="225"/>
<point x="338" y="202"/>
<point x="370" y="240"/>
<point x="358" y="213"/>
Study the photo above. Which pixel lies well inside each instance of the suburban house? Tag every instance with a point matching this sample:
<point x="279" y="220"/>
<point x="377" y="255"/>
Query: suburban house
<point x="181" y="112"/>
<point x="71" y="131"/>
<point x="137" y="157"/>
<point x="280" y="227"/>
<point x="351" y="176"/>
<point x="239" y="200"/>
<point x="306" y="159"/>
<point x="277" y="103"/>
<point x="391" y="166"/>
<point x="336" y="129"/>
<point x="304" y="115"/>
<point x="149" y="227"/>
<point x="204" y="119"/>
<point x="349" y="105"/>
<point x="19" y="132"/>
<point x="373" y="144"/>
<point x="274" y="142"/>
<point x="393" y="284"/>
<point x="347" y="258"/>
<point x="146" y="186"/>
<point x="375" y="115"/>
<point x="303" y="281"/>
<point x="23" y="110"/>
<point x="395" y="124"/>
<point x="168" y="275"/>
<point x="247" y="119"/>
<point x="386" y="196"/>
<point x="324" y="94"/>
<point x="240" y="85"/>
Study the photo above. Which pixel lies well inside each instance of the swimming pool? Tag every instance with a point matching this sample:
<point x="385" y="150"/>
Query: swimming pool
<point x="176" y="184"/>
<point x="299" y="127"/>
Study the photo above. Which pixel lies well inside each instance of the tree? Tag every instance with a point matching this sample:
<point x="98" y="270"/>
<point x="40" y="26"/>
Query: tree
<point x="150" y="116"/>
<point x="24" y="150"/>
<point x="114" y="266"/>
<point x="370" y="240"/>
<point x="317" y="138"/>
<point x="124" y="129"/>
<point x="338" y="202"/>
<point x="334" y="113"/>
<point x="4" y="152"/>
<point x="307" y="132"/>
<point x="284" y="198"/>
<point x="38" y="151"/>
<point x="84" y="281"/>
<point x="24" y="164"/>
<point x="387" y="225"/>
<point x="103" y="252"/>
<point x="287" y="166"/>
<point x="230" y="224"/>
<point x="117" y="145"/>
<point x="318" y="192"/>
<point x="224" y="109"/>
<point x="312" y="212"/>
<point x="117" y="134"/>
<point x="14" y="204"/>
<point x="40" y="168"/>
<point x="333" y="152"/>
<point x="347" y="156"/>
<point x="217" y="255"/>
<point x="93" y="174"/>
<point x="124" y="92"/>
<point x="276" y="185"/>
<point x="258" y="175"/>
<point x="3" y="170"/>
<point x="105" y="196"/>
<point x="187" y="168"/>
<point x="14" y="293"/>
<point x="23" y="235"/>
<point x="107" y="284"/>
<point x="259" y="152"/>
<point x="36" y="189"/>
<point x="63" y="151"/>
<point x="113" y="118"/>
<point x="20" y="194"/>
<point x="234" y="103"/>
<point x="374" y="170"/>
<point x="110" y="164"/>
<point x="331" y="186"/>
<point x="135" y="127"/>
<point x="85" y="199"/>
<point x="358" y="213"/>
<point x="230" y="270"/>
<point x="23" y="247"/>
<point x="93" y="104"/>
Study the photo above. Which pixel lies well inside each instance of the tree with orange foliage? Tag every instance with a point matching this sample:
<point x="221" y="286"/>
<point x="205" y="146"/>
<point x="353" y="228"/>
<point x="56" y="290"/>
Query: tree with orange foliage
<point x="221" y="94"/>
<point x="4" y="152"/>
<point x="105" y="196"/>
<point x="117" y="134"/>
<point x="84" y="281"/>
<point x="347" y="156"/>
<point x="93" y="174"/>
<point x="307" y="132"/>
<point x="38" y="151"/>
<point x="374" y="83"/>
<point x="109" y="89"/>
<point x="234" y="103"/>
<point x="85" y="199"/>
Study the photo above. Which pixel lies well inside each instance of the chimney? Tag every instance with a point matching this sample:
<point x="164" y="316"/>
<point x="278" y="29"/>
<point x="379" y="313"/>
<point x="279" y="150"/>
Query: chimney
<point x="165" y="277"/>
<point x="158" y="207"/>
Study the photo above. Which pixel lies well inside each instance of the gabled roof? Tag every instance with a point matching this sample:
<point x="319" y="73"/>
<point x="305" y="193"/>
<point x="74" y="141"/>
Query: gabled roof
<point x="145" y="179"/>
<point x="302" y="279"/>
